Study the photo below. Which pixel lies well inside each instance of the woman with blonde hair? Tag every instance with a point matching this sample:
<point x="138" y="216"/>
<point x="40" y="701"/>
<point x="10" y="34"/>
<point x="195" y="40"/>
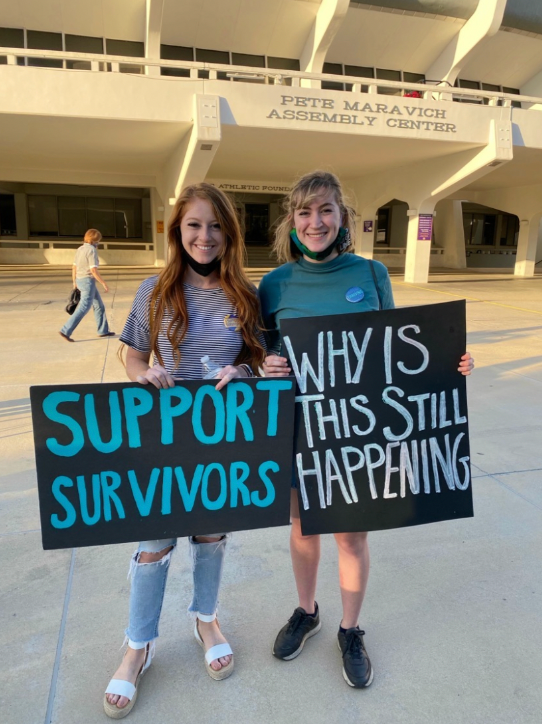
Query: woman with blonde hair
<point x="320" y="277"/>
<point x="201" y="303"/>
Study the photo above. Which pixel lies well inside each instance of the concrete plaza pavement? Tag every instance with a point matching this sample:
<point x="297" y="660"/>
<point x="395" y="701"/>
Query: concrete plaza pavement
<point x="453" y="612"/>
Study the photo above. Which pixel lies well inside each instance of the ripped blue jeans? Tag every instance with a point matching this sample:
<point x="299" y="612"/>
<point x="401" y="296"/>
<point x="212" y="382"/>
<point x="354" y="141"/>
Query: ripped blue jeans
<point x="149" y="584"/>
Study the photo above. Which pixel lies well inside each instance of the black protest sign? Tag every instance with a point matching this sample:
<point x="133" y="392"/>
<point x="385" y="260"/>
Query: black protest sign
<point x="381" y="418"/>
<point x="127" y="462"/>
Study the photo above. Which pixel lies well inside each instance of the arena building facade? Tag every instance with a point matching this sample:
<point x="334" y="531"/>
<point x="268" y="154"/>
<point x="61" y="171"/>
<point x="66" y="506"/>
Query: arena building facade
<point x="430" y="111"/>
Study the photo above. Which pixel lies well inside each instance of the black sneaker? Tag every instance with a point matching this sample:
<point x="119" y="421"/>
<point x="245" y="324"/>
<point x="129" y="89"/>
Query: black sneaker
<point x="291" y="638"/>
<point x="357" y="669"/>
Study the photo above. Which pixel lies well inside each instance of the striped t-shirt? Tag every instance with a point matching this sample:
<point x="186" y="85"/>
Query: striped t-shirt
<point x="211" y="330"/>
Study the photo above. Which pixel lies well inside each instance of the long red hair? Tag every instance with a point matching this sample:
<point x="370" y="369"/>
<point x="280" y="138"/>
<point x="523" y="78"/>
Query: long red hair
<point x="168" y="293"/>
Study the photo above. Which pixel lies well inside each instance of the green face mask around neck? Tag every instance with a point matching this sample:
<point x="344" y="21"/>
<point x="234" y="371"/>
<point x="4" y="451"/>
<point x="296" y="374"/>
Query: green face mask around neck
<point x="341" y="242"/>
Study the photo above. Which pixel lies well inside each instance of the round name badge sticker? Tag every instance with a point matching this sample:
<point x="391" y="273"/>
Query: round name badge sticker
<point x="231" y="322"/>
<point x="355" y="294"/>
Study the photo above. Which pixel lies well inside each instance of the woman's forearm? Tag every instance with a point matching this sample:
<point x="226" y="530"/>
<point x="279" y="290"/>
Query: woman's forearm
<point x="136" y="367"/>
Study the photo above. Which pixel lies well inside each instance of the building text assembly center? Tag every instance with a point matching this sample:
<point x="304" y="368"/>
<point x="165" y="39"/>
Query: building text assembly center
<point x="429" y="111"/>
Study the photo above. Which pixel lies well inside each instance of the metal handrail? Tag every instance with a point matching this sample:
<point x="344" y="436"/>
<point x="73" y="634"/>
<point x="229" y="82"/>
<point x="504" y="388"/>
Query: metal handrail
<point x="443" y="90"/>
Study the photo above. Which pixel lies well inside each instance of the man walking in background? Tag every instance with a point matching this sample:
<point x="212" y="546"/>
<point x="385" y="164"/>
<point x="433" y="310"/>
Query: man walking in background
<point x="85" y="275"/>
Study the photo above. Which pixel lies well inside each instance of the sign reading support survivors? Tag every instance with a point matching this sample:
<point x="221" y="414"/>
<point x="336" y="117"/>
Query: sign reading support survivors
<point x="126" y="462"/>
<point x="381" y="418"/>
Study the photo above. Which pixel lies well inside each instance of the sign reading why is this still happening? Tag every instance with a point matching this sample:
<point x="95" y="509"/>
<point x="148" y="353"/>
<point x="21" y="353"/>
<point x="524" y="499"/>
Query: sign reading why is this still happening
<point x="381" y="418"/>
<point x="126" y="462"/>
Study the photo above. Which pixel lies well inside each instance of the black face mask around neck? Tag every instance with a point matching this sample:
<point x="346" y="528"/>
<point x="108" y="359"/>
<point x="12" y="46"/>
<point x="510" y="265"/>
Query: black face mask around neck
<point x="202" y="269"/>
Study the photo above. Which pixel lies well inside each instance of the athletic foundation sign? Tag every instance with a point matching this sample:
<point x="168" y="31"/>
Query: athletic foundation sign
<point x="381" y="418"/>
<point x="127" y="462"/>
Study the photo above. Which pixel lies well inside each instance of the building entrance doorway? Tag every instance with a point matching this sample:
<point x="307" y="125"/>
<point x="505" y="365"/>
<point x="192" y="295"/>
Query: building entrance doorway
<point x="256" y="223"/>
<point x="259" y="214"/>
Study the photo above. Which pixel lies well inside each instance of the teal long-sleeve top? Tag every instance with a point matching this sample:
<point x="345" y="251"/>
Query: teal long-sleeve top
<point x="310" y="289"/>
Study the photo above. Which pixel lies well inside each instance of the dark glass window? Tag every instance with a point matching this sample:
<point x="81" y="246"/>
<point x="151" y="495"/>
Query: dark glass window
<point x="84" y="44"/>
<point x="8" y="220"/>
<point x="11" y="38"/>
<point x="490" y="87"/>
<point x="69" y="216"/>
<point x="128" y="219"/>
<point x="72" y="216"/>
<point x="176" y="52"/>
<point x="177" y="72"/>
<point x="509" y="230"/>
<point x="38" y="40"/>
<point x="359" y="71"/>
<point x="383" y="225"/>
<point x="385" y="74"/>
<point x="128" y="48"/>
<point x="101" y="215"/>
<point x="254" y="61"/>
<point x="413" y="77"/>
<point x="472" y="85"/>
<point x="514" y="91"/>
<point x="43" y="215"/>
<point x="43" y="41"/>
<point x="282" y="63"/>
<point x="332" y="69"/>
<point x="212" y="56"/>
<point x="479" y="229"/>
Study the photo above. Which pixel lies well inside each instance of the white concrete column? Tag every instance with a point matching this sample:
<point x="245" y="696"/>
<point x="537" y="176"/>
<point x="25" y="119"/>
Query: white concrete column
<point x="483" y="23"/>
<point x="153" y="32"/>
<point x="449" y="233"/>
<point x="159" y="229"/>
<point x="204" y="141"/>
<point x="329" y="18"/>
<point x="527" y="246"/>
<point x="418" y="253"/>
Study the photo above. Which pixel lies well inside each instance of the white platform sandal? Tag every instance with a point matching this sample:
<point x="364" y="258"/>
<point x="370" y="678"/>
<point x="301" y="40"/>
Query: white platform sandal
<point x="120" y="687"/>
<point x="215" y="652"/>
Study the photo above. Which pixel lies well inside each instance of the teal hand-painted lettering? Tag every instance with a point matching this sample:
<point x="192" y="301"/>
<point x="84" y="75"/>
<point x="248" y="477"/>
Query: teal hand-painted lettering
<point x="274" y="387"/>
<point x="168" y="410"/>
<point x="237" y="411"/>
<point x="269" y="465"/>
<point x="62" y="481"/>
<point x="96" y="499"/>
<point x="137" y="402"/>
<point x="144" y="502"/>
<point x="167" y="480"/>
<point x="239" y="472"/>
<point x="220" y="415"/>
<point x="110" y="482"/>
<point x="49" y="407"/>
<point x="222" y="497"/>
<point x="189" y="496"/>
<point x="93" y="428"/>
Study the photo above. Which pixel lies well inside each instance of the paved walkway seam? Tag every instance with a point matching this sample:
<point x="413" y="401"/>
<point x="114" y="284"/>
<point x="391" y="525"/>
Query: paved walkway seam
<point x="56" y="667"/>
<point x="515" y="492"/>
